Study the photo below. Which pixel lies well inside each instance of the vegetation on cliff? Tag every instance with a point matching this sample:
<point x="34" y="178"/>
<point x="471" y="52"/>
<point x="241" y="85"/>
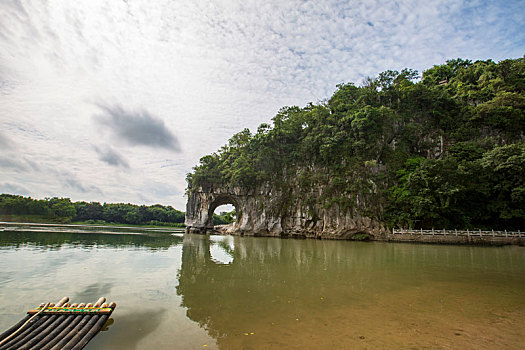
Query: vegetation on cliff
<point x="443" y="150"/>
<point x="64" y="210"/>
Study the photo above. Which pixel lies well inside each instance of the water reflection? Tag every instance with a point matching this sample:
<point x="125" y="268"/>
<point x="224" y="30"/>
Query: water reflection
<point x="94" y="290"/>
<point x="138" y="271"/>
<point x="222" y="249"/>
<point x="55" y="240"/>
<point x="148" y="320"/>
<point x="270" y="285"/>
<point x="183" y="292"/>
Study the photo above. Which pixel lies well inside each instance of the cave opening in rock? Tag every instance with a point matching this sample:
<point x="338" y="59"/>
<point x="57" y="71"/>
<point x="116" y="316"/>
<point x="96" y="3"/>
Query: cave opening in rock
<point x="224" y="214"/>
<point x="223" y="211"/>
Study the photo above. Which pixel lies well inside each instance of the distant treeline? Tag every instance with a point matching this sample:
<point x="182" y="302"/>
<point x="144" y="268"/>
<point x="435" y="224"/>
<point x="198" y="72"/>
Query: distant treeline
<point x="224" y="218"/>
<point x="64" y="210"/>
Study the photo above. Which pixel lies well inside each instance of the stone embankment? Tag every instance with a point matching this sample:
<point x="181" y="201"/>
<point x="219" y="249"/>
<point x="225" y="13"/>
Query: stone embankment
<point x="457" y="237"/>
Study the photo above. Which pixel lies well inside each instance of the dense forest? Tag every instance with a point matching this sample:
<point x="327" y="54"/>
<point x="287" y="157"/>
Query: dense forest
<point x="445" y="149"/>
<point x="64" y="210"/>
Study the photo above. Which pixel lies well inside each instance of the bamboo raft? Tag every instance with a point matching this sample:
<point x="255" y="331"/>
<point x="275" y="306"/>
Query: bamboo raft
<point x="60" y="326"/>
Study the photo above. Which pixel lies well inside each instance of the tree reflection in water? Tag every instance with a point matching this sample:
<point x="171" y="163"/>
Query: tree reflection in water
<point x="269" y="279"/>
<point x="55" y="240"/>
<point x="305" y="292"/>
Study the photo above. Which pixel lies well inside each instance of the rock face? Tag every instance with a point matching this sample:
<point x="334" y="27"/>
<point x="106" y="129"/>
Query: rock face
<point x="268" y="212"/>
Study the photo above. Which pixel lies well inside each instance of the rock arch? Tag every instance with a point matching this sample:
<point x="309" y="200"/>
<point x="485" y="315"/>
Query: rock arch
<point x="201" y="205"/>
<point x="222" y="199"/>
<point x="266" y="211"/>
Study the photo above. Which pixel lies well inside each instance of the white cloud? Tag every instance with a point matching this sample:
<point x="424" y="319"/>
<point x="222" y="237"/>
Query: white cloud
<point x="206" y="69"/>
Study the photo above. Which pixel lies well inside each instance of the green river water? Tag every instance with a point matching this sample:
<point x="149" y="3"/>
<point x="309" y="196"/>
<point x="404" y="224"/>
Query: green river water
<point x="177" y="291"/>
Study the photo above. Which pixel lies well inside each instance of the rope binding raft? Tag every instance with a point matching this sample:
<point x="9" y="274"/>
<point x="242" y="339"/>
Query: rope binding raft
<point x="55" y="310"/>
<point x="60" y="326"/>
<point x="42" y="309"/>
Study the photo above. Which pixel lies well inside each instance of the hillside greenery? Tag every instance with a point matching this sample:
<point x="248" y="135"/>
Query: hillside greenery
<point x="445" y="149"/>
<point x="64" y="210"/>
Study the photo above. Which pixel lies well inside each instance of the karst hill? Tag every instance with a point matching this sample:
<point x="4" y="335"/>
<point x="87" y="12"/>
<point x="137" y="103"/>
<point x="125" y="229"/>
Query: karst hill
<point x="444" y="150"/>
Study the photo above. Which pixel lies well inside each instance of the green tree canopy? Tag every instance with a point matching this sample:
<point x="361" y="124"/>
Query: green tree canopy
<point x="440" y="150"/>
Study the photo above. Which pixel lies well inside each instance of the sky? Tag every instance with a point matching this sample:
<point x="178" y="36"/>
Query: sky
<point x="117" y="100"/>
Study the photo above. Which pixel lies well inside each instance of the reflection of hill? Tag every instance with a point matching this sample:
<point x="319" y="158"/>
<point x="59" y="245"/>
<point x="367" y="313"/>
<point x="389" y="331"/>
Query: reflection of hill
<point x="268" y="276"/>
<point x="54" y="240"/>
<point x="273" y="284"/>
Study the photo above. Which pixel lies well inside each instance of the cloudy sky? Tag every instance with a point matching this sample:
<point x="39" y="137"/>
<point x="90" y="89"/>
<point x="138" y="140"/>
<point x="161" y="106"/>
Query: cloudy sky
<point x="116" y="100"/>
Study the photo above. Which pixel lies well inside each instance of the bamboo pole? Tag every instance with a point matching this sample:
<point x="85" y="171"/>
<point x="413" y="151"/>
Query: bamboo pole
<point x="21" y="338"/>
<point x="51" y="336"/>
<point x="16" y="326"/>
<point x="93" y="330"/>
<point x="25" y="330"/>
<point x="63" y="331"/>
<point x="49" y="329"/>
<point x="83" y="320"/>
<point x="91" y="321"/>
<point x="29" y="340"/>
<point x="70" y="331"/>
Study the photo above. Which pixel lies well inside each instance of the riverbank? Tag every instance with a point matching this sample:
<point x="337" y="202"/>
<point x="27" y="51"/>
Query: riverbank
<point x="38" y="219"/>
<point x="483" y="238"/>
<point x="79" y="228"/>
<point x="453" y="239"/>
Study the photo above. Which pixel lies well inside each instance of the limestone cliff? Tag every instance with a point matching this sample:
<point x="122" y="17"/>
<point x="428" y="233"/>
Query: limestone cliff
<point x="265" y="211"/>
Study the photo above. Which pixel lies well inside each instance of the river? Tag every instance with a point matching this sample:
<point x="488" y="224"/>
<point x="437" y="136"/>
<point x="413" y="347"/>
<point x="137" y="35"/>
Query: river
<point x="177" y="291"/>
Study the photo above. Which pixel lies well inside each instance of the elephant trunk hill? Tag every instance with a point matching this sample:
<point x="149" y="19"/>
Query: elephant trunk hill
<point x="445" y="150"/>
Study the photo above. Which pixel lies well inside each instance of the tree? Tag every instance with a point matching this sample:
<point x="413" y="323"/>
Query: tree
<point x="62" y="207"/>
<point x="505" y="165"/>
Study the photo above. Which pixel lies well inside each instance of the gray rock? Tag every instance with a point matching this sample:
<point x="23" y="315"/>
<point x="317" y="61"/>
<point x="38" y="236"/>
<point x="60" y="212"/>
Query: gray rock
<point x="265" y="211"/>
